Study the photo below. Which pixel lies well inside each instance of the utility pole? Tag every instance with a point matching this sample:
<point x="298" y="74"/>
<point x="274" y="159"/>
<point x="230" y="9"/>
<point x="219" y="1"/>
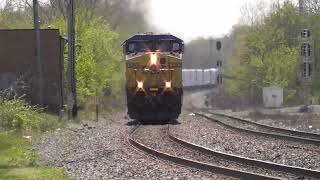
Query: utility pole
<point x="36" y="25"/>
<point x="71" y="58"/>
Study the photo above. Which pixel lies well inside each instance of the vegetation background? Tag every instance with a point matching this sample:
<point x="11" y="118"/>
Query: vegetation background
<point x="263" y="50"/>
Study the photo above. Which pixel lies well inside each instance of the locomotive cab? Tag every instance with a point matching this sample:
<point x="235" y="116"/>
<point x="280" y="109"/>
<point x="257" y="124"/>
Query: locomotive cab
<point x="154" y="77"/>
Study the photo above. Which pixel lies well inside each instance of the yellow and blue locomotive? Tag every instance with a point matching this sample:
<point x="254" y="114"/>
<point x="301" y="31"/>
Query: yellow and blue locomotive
<point x="154" y="76"/>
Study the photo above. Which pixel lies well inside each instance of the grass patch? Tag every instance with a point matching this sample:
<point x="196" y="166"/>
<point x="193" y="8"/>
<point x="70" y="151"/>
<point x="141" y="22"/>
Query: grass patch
<point x="15" y="151"/>
<point x="17" y="161"/>
<point x="32" y="173"/>
<point x="17" y="120"/>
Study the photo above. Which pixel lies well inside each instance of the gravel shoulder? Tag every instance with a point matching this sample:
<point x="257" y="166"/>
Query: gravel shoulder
<point x="209" y="134"/>
<point x="101" y="151"/>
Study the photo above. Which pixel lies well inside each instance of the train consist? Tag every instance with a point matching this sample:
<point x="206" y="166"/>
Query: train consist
<point x="154" y="77"/>
<point x="195" y="78"/>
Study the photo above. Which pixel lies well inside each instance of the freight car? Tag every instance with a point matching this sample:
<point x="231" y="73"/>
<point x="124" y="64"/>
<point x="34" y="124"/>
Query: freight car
<point x="153" y="77"/>
<point x="199" y="78"/>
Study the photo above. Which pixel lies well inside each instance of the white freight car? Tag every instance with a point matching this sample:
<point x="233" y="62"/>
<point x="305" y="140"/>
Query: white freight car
<point x="186" y="77"/>
<point x="206" y="76"/>
<point x="198" y="77"/>
<point x="213" y="76"/>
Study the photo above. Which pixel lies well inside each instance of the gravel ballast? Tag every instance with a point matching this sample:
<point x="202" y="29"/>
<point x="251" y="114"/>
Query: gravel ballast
<point x="156" y="137"/>
<point x="307" y="122"/>
<point x="242" y="123"/>
<point x="209" y="134"/>
<point x="101" y="151"/>
<point x="286" y="118"/>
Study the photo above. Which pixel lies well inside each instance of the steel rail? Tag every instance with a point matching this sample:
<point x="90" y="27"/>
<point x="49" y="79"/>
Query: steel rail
<point x="195" y="164"/>
<point x="275" y="135"/>
<point x="298" y="134"/>
<point x="303" y="172"/>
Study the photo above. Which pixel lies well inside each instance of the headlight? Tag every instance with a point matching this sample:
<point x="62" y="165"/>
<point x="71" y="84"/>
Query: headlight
<point x="168" y="84"/>
<point x="140" y="84"/>
<point x="153" y="59"/>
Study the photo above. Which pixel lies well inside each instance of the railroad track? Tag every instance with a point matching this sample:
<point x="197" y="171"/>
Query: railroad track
<point x="247" y="168"/>
<point x="243" y="125"/>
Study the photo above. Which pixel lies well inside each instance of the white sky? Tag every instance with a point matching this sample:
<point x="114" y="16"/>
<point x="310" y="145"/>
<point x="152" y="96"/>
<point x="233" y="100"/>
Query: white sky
<point x="189" y="19"/>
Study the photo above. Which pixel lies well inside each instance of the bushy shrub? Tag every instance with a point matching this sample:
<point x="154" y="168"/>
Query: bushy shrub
<point x="19" y="115"/>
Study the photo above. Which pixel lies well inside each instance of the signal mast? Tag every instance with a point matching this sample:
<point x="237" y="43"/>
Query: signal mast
<point x="306" y="59"/>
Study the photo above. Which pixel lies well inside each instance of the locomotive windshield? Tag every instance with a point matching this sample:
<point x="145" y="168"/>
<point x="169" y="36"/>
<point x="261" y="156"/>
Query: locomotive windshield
<point x="162" y="46"/>
<point x="139" y="47"/>
<point x="153" y="43"/>
<point x="167" y="46"/>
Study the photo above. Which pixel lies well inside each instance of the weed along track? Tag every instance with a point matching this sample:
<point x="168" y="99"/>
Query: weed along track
<point x="160" y="141"/>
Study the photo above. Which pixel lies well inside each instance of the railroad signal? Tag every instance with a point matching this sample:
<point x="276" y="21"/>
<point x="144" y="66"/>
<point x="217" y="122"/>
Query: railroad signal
<point x="307" y="60"/>
<point x="305" y="33"/>
<point x="306" y="70"/>
<point x="309" y="69"/>
<point x="219" y="79"/>
<point x="305" y="50"/>
<point x="219" y="64"/>
<point x="306" y="53"/>
<point x="218" y="45"/>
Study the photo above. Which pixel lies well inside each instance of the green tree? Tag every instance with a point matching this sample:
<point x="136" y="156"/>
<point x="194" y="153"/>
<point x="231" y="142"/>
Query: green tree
<point x="266" y="54"/>
<point x="98" y="58"/>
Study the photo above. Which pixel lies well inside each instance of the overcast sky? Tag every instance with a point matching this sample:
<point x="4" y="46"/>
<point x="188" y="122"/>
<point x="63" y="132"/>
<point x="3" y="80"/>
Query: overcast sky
<point x="190" y="19"/>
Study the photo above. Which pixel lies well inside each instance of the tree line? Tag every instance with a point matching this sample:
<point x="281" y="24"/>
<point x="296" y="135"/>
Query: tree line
<point x="267" y="52"/>
<point x="263" y="50"/>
